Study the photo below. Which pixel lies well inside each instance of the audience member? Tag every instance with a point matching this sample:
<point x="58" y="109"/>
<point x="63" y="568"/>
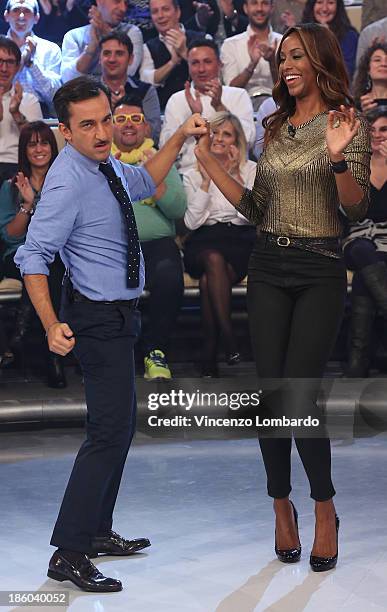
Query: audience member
<point x="165" y="56"/>
<point x="333" y="14"/>
<point x="370" y="87"/>
<point x="115" y="57"/>
<point x="205" y="95"/>
<point x="375" y="32"/>
<point x="155" y="219"/>
<point x="234" y="19"/>
<point x="286" y="13"/>
<point x="249" y="58"/>
<point x="371" y="11"/>
<point x="18" y="200"/>
<point x="16" y="107"/>
<point x="138" y="13"/>
<point x="203" y="16"/>
<point x="80" y="49"/>
<point x="365" y="251"/>
<point x="218" y="250"/>
<point x="39" y="71"/>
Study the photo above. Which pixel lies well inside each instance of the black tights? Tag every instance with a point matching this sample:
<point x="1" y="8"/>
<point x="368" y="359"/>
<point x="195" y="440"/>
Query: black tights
<point x="215" y="301"/>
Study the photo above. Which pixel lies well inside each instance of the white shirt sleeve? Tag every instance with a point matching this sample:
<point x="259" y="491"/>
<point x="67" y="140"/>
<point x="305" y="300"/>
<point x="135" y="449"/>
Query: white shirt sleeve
<point x="228" y="58"/>
<point x="198" y="201"/>
<point x="46" y="78"/>
<point x="241" y="106"/>
<point x="172" y="119"/>
<point x="30" y="107"/>
<point x="147" y="70"/>
<point x="135" y="36"/>
<point x="71" y="51"/>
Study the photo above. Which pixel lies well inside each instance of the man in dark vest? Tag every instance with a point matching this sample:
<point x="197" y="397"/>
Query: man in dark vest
<point x="165" y="56"/>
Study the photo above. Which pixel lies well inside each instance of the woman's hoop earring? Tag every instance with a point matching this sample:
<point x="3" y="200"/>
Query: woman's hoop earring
<point x="317" y="80"/>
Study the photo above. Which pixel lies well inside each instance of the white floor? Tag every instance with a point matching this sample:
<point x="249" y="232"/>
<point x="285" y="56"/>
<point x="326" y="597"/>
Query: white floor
<point x="203" y="505"/>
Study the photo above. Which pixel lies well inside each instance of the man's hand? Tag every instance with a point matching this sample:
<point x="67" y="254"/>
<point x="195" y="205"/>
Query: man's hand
<point x="60" y="338"/>
<point x="195" y="125"/>
<point x="117" y="95"/>
<point x="194" y="103"/>
<point x="16" y="98"/>
<point x="101" y="27"/>
<point x="254" y="50"/>
<point x="268" y="51"/>
<point x="214" y="89"/>
<point x="178" y="41"/>
<point x="227" y="7"/>
<point x="203" y="13"/>
<point x="203" y="146"/>
<point x="28" y="51"/>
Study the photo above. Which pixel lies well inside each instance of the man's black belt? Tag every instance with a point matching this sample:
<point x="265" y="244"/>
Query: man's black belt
<point x="79" y="297"/>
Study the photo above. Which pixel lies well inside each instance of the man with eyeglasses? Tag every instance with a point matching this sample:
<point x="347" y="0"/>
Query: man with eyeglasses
<point x="16" y="107"/>
<point x="155" y="220"/>
<point x="39" y="71"/>
<point x="116" y="55"/>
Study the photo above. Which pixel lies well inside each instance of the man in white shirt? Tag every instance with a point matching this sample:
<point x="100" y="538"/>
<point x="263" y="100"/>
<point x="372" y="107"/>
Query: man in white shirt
<point x="16" y="107"/>
<point x="41" y="59"/>
<point x="80" y="48"/>
<point x="249" y="58"/>
<point x="164" y="64"/>
<point x="207" y="96"/>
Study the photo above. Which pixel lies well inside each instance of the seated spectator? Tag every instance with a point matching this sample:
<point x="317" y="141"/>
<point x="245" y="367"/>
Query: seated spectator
<point x="205" y="95"/>
<point x="138" y="13"/>
<point x="249" y="58"/>
<point x="18" y="200"/>
<point x="16" y="107"/>
<point x="165" y="56"/>
<point x="286" y="13"/>
<point x="375" y="32"/>
<point x="333" y="14"/>
<point x="370" y="86"/>
<point x="234" y="18"/>
<point x="59" y="16"/>
<point x="39" y="71"/>
<point x="115" y="57"/>
<point x="365" y="251"/>
<point x="155" y="219"/>
<point x="80" y="49"/>
<point x="218" y="249"/>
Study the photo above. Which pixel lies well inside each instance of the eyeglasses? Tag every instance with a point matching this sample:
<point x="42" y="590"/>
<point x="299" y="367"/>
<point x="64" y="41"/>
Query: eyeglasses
<point x="135" y="118"/>
<point x="8" y="62"/>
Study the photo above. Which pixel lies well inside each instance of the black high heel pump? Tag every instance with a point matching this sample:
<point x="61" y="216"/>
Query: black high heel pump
<point x="290" y="555"/>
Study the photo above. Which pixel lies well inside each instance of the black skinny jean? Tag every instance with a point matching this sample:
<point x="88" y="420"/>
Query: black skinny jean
<point x="296" y="302"/>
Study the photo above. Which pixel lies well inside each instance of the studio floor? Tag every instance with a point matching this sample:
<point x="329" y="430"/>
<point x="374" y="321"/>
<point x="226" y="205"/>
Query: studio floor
<point x="202" y="503"/>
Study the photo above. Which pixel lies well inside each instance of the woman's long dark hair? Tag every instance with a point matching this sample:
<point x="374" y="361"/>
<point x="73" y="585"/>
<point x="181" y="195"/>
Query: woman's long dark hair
<point x="363" y="83"/>
<point x="30" y="129"/>
<point x="339" y="25"/>
<point x="324" y="53"/>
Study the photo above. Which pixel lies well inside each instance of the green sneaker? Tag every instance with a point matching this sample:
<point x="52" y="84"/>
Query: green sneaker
<point x="156" y="366"/>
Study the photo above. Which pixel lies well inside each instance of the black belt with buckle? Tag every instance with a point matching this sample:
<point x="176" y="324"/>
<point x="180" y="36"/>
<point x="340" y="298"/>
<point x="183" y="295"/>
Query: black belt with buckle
<point x="329" y="246"/>
<point x="79" y="297"/>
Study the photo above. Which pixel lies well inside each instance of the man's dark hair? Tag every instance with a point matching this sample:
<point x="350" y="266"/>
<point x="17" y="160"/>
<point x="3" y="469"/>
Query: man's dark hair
<point x="9" y="45"/>
<point x="120" y="37"/>
<point x="204" y="42"/>
<point x="77" y="90"/>
<point x="129" y="100"/>
<point x="175" y="3"/>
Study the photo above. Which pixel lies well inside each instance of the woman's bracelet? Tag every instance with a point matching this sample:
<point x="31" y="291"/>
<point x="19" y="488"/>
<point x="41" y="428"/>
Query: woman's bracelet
<point x="339" y="167"/>
<point x="26" y="211"/>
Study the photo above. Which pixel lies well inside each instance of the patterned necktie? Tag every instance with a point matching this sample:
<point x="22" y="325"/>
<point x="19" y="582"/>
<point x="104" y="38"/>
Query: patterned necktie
<point x="121" y="195"/>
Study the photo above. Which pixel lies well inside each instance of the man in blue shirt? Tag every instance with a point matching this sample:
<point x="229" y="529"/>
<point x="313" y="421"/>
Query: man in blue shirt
<point x="86" y="214"/>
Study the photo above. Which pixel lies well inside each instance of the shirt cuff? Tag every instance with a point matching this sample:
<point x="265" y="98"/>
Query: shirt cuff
<point x="30" y="263"/>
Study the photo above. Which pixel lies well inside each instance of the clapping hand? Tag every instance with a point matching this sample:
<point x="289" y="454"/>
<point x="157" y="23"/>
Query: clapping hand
<point x="100" y="27"/>
<point x="254" y="50"/>
<point x="194" y="102"/>
<point x="29" y="50"/>
<point x="234" y="162"/>
<point x="203" y="13"/>
<point x="27" y="193"/>
<point x="117" y="95"/>
<point x="342" y="127"/>
<point x="214" y="89"/>
<point x="177" y="40"/>
<point x="16" y="98"/>
<point x="268" y="51"/>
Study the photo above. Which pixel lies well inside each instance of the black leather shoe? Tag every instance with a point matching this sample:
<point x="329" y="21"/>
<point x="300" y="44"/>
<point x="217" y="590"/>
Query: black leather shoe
<point x="114" y="544"/>
<point x="233" y="359"/>
<point x="289" y="555"/>
<point x="82" y="573"/>
<point x="323" y="564"/>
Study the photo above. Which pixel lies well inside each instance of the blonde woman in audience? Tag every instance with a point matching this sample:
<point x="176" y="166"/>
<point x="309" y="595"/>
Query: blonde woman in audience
<point x="218" y="249"/>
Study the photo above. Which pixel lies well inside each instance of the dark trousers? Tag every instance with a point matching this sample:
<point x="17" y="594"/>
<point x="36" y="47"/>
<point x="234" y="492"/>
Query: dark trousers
<point x="105" y="336"/>
<point x="360" y="253"/>
<point x="295" y="301"/>
<point x="165" y="283"/>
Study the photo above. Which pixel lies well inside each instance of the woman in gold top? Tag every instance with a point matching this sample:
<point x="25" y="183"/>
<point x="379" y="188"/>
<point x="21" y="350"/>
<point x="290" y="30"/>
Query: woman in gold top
<point x="316" y="159"/>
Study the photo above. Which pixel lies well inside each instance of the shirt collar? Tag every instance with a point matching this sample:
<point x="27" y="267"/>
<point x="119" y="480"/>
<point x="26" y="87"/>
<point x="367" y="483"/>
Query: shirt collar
<point x="251" y="32"/>
<point x="31" y="34"/>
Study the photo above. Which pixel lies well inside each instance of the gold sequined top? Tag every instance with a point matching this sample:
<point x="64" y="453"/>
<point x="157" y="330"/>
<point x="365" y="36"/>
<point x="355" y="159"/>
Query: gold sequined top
<point x="295" y="192"/>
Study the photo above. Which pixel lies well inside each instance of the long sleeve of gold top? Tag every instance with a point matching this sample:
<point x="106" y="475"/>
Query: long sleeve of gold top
<point x="295" y="191"/>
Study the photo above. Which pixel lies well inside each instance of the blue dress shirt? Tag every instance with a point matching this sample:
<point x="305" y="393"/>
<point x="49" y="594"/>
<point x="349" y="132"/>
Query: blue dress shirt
<point x="79" y="216"/>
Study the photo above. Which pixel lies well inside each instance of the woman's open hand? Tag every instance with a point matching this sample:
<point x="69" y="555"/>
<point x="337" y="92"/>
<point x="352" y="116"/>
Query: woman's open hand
<point x="342" y="127"/>
<point x="27" y="193"/>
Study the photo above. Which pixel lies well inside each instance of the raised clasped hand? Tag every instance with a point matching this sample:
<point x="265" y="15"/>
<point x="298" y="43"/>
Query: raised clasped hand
<point x="342" y="127"/>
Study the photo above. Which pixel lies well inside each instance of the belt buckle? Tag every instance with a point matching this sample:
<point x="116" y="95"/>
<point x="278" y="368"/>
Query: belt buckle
<point x="283" y="244"/>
